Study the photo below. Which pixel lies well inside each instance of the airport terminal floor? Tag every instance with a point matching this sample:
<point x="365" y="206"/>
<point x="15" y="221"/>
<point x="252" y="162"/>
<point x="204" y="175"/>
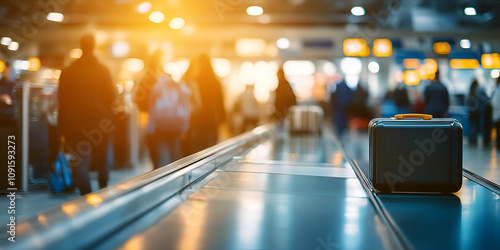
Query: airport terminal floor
<point x="269" y="189"/>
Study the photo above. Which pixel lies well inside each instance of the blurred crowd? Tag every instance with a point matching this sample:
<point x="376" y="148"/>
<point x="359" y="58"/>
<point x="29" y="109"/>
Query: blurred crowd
<point x="187" y="116"/>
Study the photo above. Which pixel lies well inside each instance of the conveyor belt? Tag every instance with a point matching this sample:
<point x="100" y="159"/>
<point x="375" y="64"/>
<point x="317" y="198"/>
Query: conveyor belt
<point x="266" y="190"/>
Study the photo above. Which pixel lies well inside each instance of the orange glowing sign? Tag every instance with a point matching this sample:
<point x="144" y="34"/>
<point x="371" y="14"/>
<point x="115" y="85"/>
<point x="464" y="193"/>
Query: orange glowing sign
<point x="464" y="64"/>
<point x="490" y="61"/>
<point x="382" y="47"/>
<point x="411" y="63"/>
<point x="356" y="47"/>
<point x="442" y="48"/>
<point x="428" y="69"/>
<point x="411" y="77"/>
<point x="34" y="64"/>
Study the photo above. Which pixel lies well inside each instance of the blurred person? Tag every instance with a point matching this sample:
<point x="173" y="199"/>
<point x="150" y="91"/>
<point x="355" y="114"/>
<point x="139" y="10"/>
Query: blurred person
<point x="167" y="104"/>
<point x="436" y="98"/>
<point x="190" y="143"/>
<point x="477" y="102"/>
<point x="8" y="122"/>
<point x="7" y="118"/>
<point x="359" y="115"/>
<point x="495" y="103"/>
<point x="86" y="100"/>
<point x="212" y="101"/>
<point x="284" y="96"/>
<point x="249" y="108"/>
<point x="339" y="102"/>
<point x="401" y="98"/>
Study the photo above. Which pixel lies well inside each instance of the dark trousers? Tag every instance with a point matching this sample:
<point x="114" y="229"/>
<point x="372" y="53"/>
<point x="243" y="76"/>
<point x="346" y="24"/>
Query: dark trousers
<point x="96" y="155"/>
<point x="474" y="125"/>
<point x="164" y="147"/>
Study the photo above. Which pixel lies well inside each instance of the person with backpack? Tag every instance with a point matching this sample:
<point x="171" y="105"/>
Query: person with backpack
<point x="168" y="105"/>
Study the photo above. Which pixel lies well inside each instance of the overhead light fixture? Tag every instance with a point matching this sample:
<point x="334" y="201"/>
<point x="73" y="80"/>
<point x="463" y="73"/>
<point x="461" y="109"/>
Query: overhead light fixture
<point x="283" y="43"/>
<point x="55" y="17"/>
<point x="75" y="53"/>
<point x="5" y="40"/>
<point x="177" y="23"/>
<point x="299" y="67"/>
<point x="441" y="48"/>
<point x="144" y="7"/>
<point x="356" y="47"/>
<point x="464" y="64"/>
<point x="34" y="63"/>
<point x="120" y="49"/>
<point x="156" y="17"/>
<point x="374" y="67"/>
<point x="382" y="47"/>
<point x="133" y="64"/>
<point x="13" y="46"/>
<point x="255" y="10"/>
<point x="358" y="11"/>
<point x="411" y="77"/>
<point x="465" y="43"/>
<point x="470" y="11"/>
<point x="495" y="73"/>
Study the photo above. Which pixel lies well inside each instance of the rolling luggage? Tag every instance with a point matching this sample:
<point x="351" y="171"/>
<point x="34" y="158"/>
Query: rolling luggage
<point x="415" y="153"/>
<point x="305" y="119"/>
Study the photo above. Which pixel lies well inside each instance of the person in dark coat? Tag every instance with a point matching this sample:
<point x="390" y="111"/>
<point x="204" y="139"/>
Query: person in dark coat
<point x="436" y="98"/>
<point x="285" y="98"/>
<point x="339" y="102"/>
<point x="477" y="102"/>
<point x="212" y="112"/>
<point x="86" y="100"/>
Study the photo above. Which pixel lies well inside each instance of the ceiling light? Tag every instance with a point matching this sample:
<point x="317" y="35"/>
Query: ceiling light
<point x="495" y="73"/>
<point x="5" y="40"/>
<point x="144" y="7"/>
<point x="156" y="17"/>
<point x="255" y="10"/>
<point x="470" y="11"/>
<point x="55" y="17"/>
<point x="465" y="43"/>
<point x="120" y="49"/>
<point x="283" y="43"/>
<point x="177" y="23"/>
<point x="374" y="67"/>
<point x="358" y="11"/>
<point x="13" y="46"/>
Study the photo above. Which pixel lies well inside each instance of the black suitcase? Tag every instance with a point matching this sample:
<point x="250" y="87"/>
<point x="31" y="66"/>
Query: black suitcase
<point x="415" y="153"/>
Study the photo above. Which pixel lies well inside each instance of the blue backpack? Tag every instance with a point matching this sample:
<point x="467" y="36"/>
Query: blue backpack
<point x="61" y="178"/>
<point x="169" y="108"/>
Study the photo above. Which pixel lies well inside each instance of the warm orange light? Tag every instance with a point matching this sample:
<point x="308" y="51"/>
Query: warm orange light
<point x="75" y="53"/>
<point x="251" y="47"/>
<point x="411" y="63"/>
<point x="156" y="17"/>
<point x="34" y="64"/>
<point x="490" y="61"/>
<point x="411" y="77"/>
<point x="2" y="66"/>
<point x="464" y="64"/>
<point x="442" y="48"/>
<point x="70" y="209"/>
<point x="382" y="47"/>
<point x="177" y="23"/>
<point x="428" y="69"/>
<point x="356" y="47"/>
<point x="94" y="199"/>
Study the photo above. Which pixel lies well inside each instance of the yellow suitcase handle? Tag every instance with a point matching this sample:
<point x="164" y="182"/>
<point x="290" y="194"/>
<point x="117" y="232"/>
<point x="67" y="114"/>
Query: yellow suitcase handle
<point x="423" y="116"/>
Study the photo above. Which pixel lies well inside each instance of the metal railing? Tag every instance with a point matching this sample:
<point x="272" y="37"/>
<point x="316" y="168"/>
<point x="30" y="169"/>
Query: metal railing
<point x="83" y="222"/>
